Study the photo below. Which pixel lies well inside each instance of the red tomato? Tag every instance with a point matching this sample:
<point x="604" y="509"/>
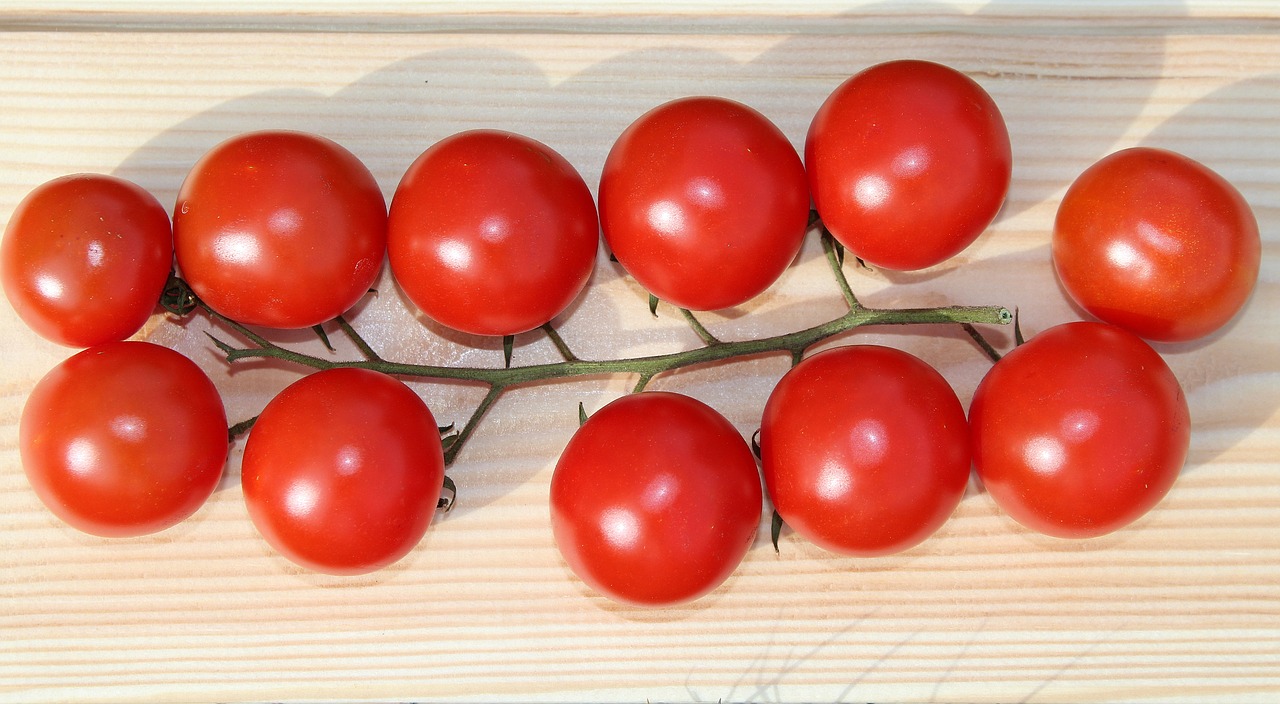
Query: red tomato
<point x="85" y="258"/>
<point x="124" y="439"/>
<point x="865" y="450"/>
<point x="704" y="202"/>
<point x="1156" y="243"/>
<point x="492" y="233"/>
<point x="280" y="229"/>
<point x="1080" y="431"/>
<point x="908" y="161"/>
<point x="342" y="471"/>
<point x="655" y="500"/>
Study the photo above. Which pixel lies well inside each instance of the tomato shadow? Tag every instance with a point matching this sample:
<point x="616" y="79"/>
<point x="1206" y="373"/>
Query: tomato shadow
<point x="390" y="115"/>
<point x="535" y="341"/>
<point x="387" y="118"/>
<point x="760" y="556"/>
<point x="646" y="614"/>
<point x="1232" y="377"/>
<point x="1043" y="101"/>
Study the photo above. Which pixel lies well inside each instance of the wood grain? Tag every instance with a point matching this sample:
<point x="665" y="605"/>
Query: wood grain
<point x="1183" y="606"/>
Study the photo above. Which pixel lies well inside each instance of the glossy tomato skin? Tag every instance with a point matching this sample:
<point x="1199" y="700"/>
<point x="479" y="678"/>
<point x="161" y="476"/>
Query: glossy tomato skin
<point x="280" y="229"/>
<point x="704" y="201"/>
<point x="492" y="233"/>
<point x="85" y="257"/>
<point x="864" y="450"/>
<point x="908" y="161"/>
<point x="655" y="500"/>
<point x="1156" y="243"/>
<point x="342" y="471"/>
<point x="1080" y="431"/>
<point x="124" y="439"/>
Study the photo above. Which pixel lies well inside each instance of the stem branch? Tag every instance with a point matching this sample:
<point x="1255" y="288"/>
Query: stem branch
<point x="451" y="452"/>
<point x="356" y="339"/>
<point x="836" y="262"/>
<point x="703" y="334"/>
<point x="649" y="366"/>
<point x="498" y="380"/>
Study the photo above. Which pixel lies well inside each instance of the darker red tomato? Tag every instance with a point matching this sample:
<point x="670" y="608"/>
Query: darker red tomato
<point x="655" y="500"/>
<point x="908" y="161"/>
<point x="124" y="439"/>
<point x="1080" y="431"/>
<point x="492" y="233"/>
<point x="1156" y="243"/>
<point x="865" y="449"/>
<point x="85" y="258"/>
<point x="704" y="202"/>
<point x="280" y="229"/>
<point x="342" y="471"/>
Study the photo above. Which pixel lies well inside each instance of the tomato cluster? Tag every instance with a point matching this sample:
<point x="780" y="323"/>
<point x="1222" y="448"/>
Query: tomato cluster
<point x="864" y="450"/>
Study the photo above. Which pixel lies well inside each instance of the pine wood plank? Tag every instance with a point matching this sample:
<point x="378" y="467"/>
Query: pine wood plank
<point x="1183" y="606"/>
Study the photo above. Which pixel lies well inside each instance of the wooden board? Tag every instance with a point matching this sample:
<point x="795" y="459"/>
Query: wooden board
<point x="1183" y="606"/>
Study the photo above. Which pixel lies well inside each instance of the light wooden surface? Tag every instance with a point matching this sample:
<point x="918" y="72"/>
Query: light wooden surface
<point x="1185" y="605"/>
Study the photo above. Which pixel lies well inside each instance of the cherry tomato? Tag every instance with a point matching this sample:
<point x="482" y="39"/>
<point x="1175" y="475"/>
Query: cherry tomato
<point x="704" y="202"/>
<point x="85" y="258"/>
<point x="656" y="499"/>
<point x="908" y="161"/>
<point x="342" y="471"/>
<point x="492" y="233"/>
<point x="124" y="439"/>
<point x="1080" y="431"/>
<point x="1156" y="243"/>
<point x="865" y="450"/>
<point x="280" y="229"/>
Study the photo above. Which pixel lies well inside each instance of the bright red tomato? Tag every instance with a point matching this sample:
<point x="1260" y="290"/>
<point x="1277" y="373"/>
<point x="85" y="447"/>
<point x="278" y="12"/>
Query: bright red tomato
<point x="1080" y="431"/>
<point x="656" y="499"/>
<point x="492" y="233"/>
<point x="865" y="449"/>
<point x="908" y="161"/>
<point x="342" y="471"/>
<point x="704" y="202"/>
<point x="85" y="258"/>
<point x="124" y="439"/>
<point x="1156" y="243"/>
<point x="280" y="229"/>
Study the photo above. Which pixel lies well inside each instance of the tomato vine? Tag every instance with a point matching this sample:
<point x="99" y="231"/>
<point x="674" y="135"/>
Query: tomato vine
<point x="179" y="299"/>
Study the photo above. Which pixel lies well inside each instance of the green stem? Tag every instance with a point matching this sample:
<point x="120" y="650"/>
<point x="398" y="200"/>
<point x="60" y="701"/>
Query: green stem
<point x="451" y="453"/>
<point x="498" y="380"/>
<point x="357" y="340"/>
<point x="240" y="428"/>
<point x="835" y="261"/>
<point x="642" y="382"/>
<point x="791" y="343"/>
<point x="703" y="334"/>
